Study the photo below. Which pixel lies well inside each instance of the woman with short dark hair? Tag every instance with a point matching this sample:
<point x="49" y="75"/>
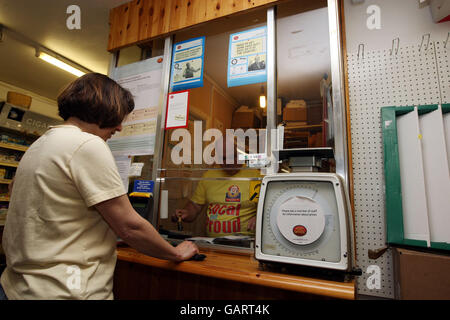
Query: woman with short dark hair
<point x="95" y="98"/>
<point x="68" y="203"/>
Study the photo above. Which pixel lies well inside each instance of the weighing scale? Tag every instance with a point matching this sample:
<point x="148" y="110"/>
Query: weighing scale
<point x="304" y="217"/>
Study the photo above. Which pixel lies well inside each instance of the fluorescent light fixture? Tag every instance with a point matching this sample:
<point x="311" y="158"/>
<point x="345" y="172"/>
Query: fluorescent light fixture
<point x="58" y="63"/>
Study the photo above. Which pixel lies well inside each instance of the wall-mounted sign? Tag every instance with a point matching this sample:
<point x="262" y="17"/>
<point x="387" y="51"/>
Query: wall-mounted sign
<point x="187" y="64"/>
<point x="177" y="110"/>
<point x="25" y="121"/>
<point x="247" y="55"/>
<point x="145" y="186"/>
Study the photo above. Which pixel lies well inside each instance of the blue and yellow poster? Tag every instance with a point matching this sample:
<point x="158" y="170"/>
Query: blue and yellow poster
<point x="187" y="64"/>
<point x="247" y="55"/>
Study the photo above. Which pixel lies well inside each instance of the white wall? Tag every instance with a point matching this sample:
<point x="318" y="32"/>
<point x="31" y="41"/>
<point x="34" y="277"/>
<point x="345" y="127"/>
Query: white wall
<point x="39" y="103"/>
<point x="402" y="19"/>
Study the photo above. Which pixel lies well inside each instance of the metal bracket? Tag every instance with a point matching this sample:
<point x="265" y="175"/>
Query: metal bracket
<point x="393" y="45"/>
<point x="446" y="41"/>
<point x="375" y="254"/>
<point x="361" y="50"/>
<point x="428" y="42"/>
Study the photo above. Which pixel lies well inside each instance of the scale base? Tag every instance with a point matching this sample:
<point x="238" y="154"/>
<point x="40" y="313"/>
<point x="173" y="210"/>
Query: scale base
<point x="304" y="160"/>
<point x="306" y="271"/>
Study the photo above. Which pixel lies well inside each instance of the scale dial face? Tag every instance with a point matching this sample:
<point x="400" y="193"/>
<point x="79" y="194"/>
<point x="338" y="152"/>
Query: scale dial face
<point x="301" y="220"/>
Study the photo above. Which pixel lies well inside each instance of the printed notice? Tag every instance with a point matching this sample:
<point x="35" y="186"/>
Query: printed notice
<point x="187" y="64"/>
<point x="177" y="110"/>
<point x="301" y="220"/>
<point x="123" y="164"/>
<point x="247" y="57"/>
<point x="136" y="169"/>
<point x="143" y="80"/>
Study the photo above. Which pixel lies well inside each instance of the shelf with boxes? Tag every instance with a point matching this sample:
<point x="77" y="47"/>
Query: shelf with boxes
<point x="19" y="128"/>
<point x="12" y="148"/>
<point x="303" y="124"/>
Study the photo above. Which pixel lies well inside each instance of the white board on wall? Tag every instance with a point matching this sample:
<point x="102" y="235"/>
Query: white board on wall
<point x="414" y="202"/>
<point x="447" y="135"/>
<point x="436" y="172"/>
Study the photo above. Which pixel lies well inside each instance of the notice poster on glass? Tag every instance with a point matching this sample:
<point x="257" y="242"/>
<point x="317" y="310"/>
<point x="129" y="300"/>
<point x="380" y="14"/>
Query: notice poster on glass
<point x="247" y="55"/>
<point x="143" y="79"/>
<point x="187" y="64"/>
<point x="177" y="110"/>
<point x="123" y="164"/>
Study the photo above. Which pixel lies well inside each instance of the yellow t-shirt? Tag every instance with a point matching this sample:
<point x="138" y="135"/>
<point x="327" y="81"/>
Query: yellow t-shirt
<point x="231" y="203"/>
<point x="56" y="243"/>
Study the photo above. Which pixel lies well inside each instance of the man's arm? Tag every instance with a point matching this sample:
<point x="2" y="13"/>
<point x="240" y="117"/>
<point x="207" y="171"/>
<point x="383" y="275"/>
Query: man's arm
<point x="139" y="233"/>
<point x="189" y="213"/>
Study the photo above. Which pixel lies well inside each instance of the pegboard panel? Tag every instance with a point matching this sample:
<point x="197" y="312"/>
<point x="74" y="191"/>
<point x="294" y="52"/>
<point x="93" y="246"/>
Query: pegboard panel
<point x="392" y="77"/>
<point x="443" y="61"/>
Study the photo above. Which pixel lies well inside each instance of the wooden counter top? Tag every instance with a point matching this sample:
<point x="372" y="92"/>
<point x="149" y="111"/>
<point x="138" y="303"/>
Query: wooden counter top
<point x="245" y="269"/>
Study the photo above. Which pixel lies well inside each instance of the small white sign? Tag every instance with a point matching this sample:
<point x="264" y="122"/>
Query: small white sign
<point x="253" y="156"/>
<point x="177" y="110"/>
<point x="136" y="169"/>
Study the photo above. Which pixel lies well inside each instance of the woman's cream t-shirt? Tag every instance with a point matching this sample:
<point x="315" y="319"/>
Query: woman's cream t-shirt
<point x="57" y="245"/>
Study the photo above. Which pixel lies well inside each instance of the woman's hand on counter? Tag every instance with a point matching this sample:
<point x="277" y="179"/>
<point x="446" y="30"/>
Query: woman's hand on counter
<point x="186" y="250"/>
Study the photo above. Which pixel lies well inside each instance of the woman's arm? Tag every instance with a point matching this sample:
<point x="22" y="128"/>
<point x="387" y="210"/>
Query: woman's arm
<point x="139" y="233"/>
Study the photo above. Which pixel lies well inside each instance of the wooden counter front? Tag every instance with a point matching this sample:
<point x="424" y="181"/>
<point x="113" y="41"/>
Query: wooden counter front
<point x="219" y="276"/>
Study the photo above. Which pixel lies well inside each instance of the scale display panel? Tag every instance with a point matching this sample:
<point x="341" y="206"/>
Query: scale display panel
<point x="302" y="219"/>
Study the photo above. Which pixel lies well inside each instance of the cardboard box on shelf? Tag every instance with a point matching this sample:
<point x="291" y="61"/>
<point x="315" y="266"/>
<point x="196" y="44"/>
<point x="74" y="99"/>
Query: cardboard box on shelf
<point x="294" y="114"/>
<point x="295" y="110"/>
<point x="18" y="99"/>
<point x="421" y="275"/>
<point x="245" y="117"/>
<point x="296" y="104"/>
<point x="315" y="140"/>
